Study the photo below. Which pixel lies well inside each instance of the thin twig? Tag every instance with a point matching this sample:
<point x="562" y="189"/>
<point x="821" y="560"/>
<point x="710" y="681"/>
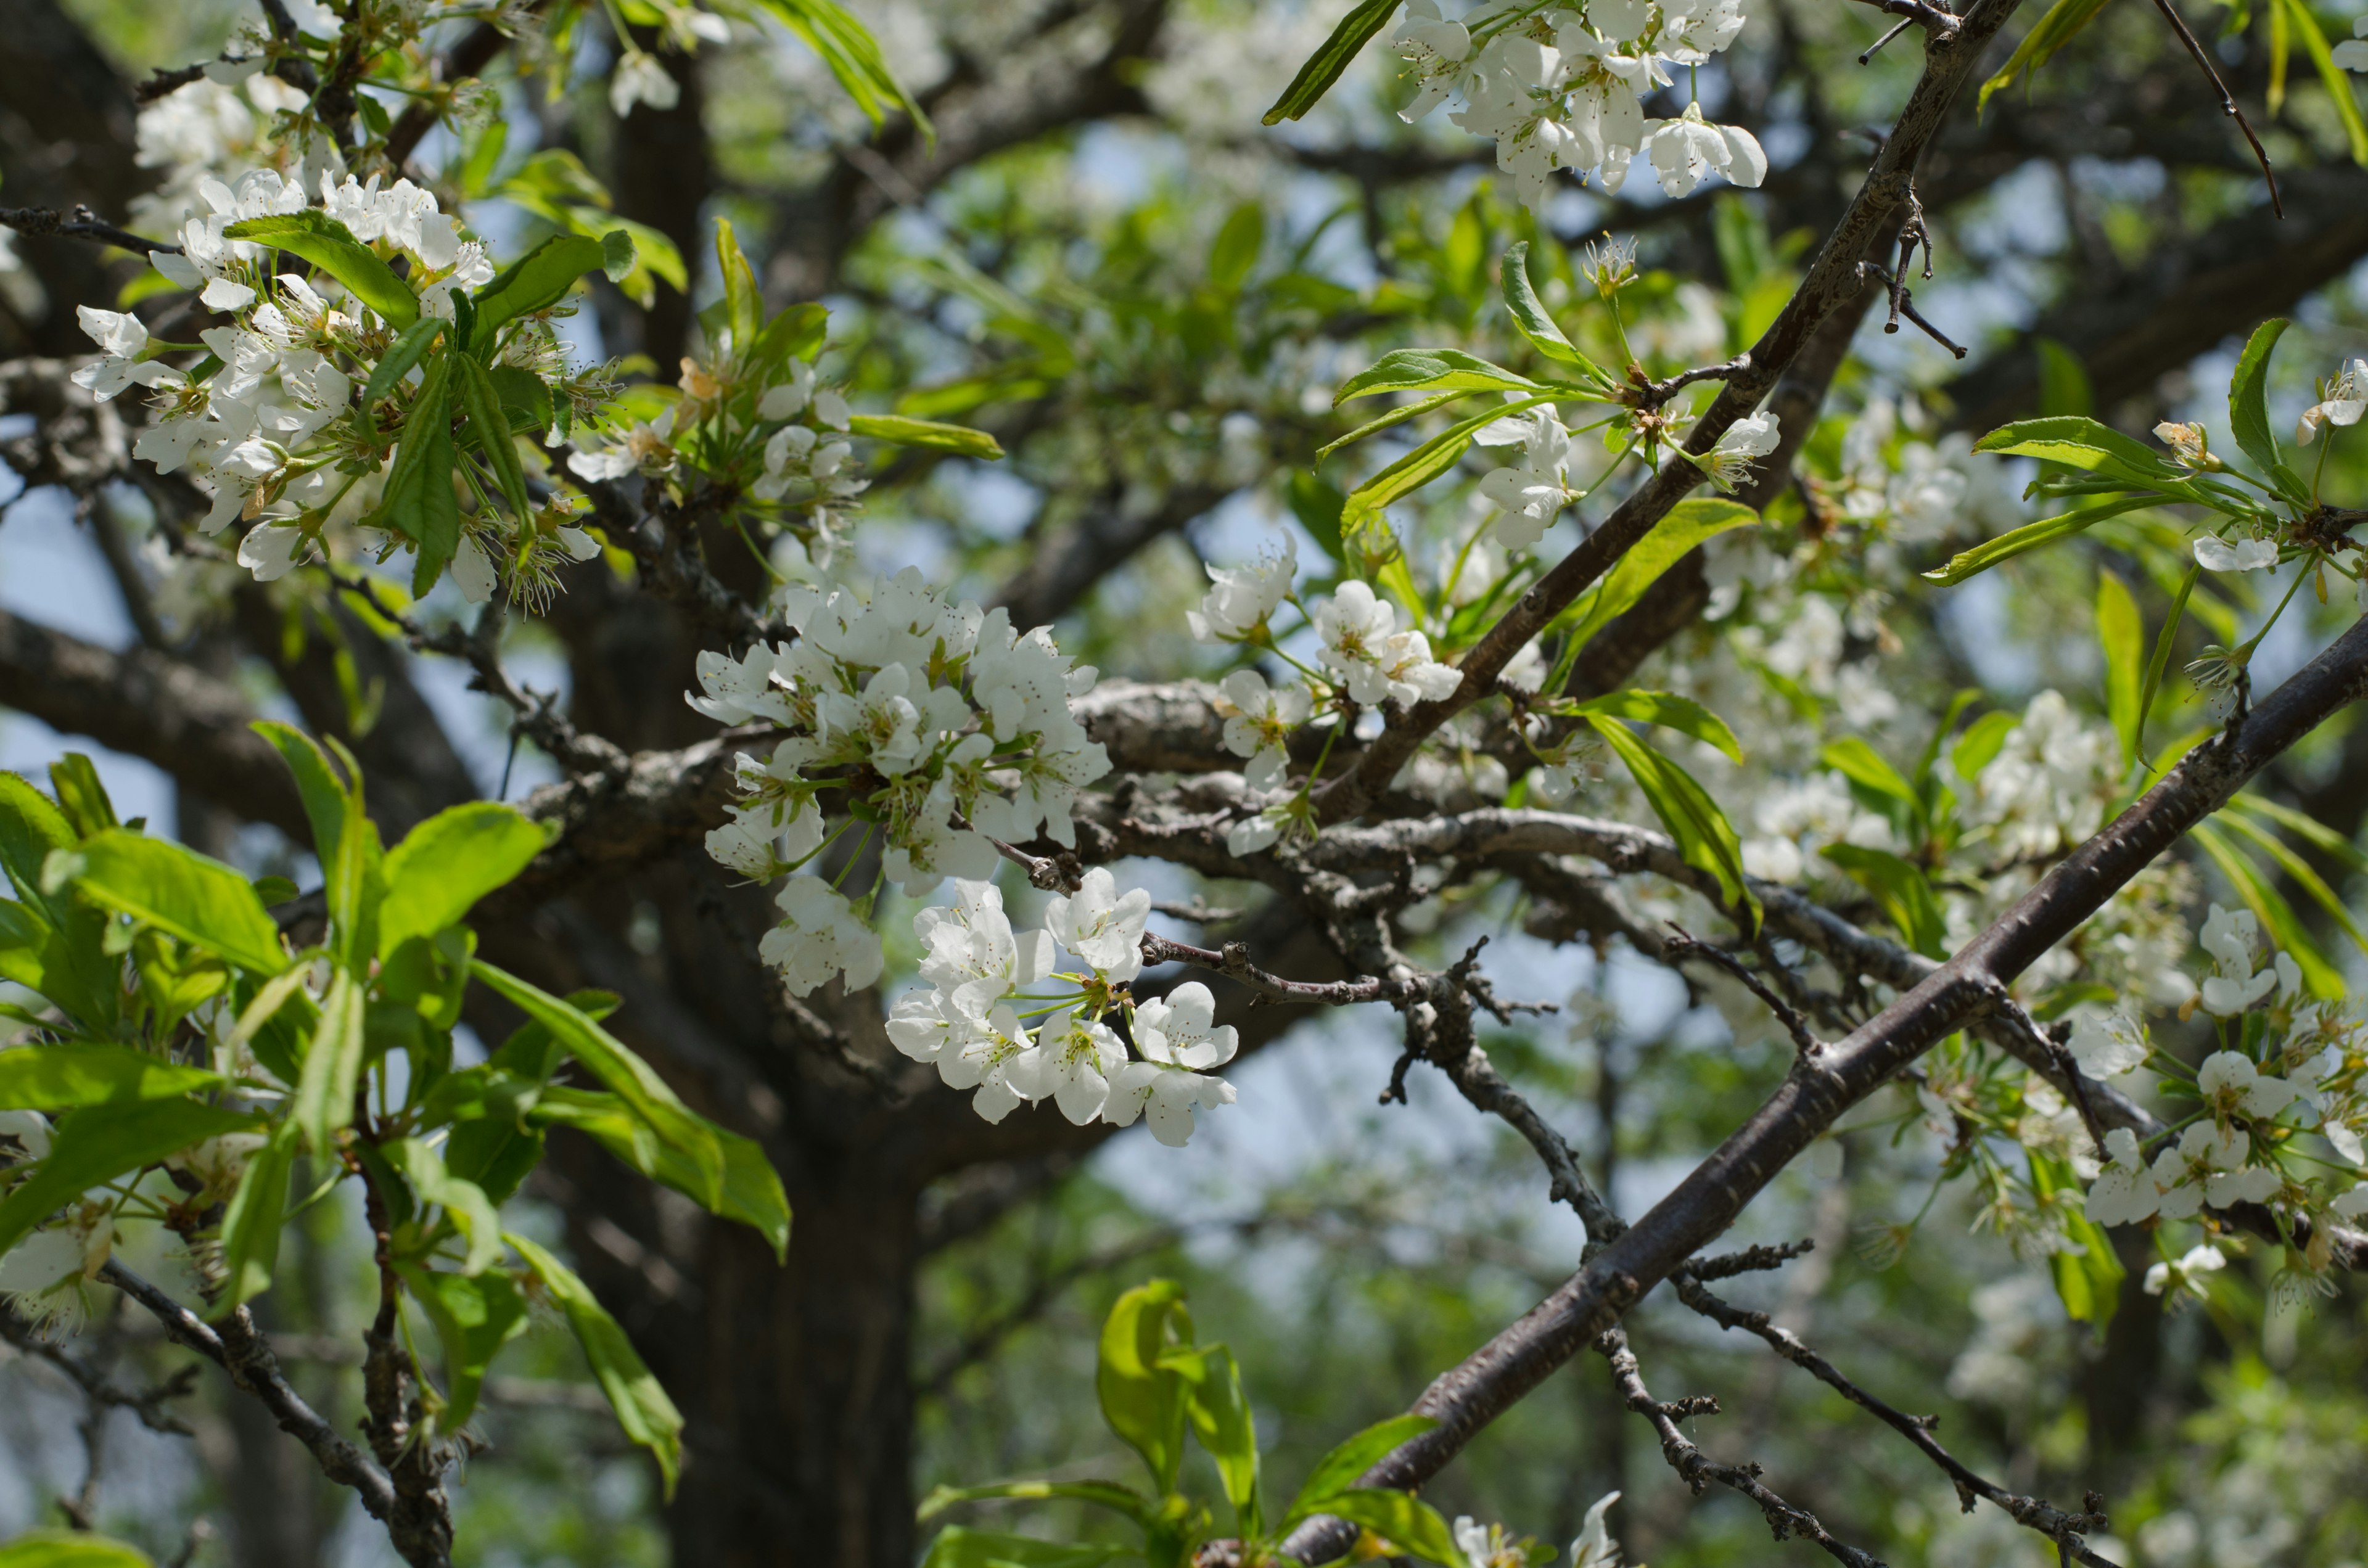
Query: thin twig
<point x="2228" y="103"/>
<point x="245" y="1354"/>
<point x="1698" y="1470"/>
<point x="1232" y="960"/>
<point x="1686" y="945"/>
<point x="83" y="224"/>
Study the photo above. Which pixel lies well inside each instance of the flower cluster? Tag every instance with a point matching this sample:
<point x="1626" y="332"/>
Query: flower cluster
<point x="1363" y="659"/>
<point x="46" y="1278"/>
<point x="270" y="419"/>
<point x="1001" y="1016"/>
<point x="2289" y="1063"/>
<point x="938" y="726"/>
<point x="1562" y="86"/>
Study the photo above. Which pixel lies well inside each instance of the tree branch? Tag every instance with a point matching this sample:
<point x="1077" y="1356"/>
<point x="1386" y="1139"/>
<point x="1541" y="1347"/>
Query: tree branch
<point x="1814" y="1094"/>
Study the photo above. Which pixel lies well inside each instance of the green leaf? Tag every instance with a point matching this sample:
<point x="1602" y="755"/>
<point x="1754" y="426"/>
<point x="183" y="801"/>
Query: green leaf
<point x="333" y="1065"/>
<point x="81" y="799"/>
<point x="1339" y="1470"/>
<point x="331" y="247"/>
<point x="1104" y="1494"/>
<point x="2079" y="442"/>
<point x="1680" y="713"/>
<point x="643" y="1411"/>
<point x="1323" y="67"/>
<point x="2248" y="394"/>
<point x="1394" y="418"/>
<point x="633" y="1081"/>
<point x="70" y="1549"/>
<point x="537" y="280"/>
<point x="1420" y="467"/>
<point x="344" y="839"/>
<point x="2159" y="660"/>
<point x="1705" y="839"/>
<point x="2338" y="84"/>
<point x="449" y="862"/>
<point x="1855" y="760"/>
<point x="491" y="428"/>
<point x="409" y="347"/>
<point x="2063" y="21"/>
<point x="1433" y="369"/>
<point x="2286" y="928"/>
<point x="1405" y="1521"/>
<point x="1687" y="525"/>
<point x="250" y="1227"/>
<point x="417" y="501"/>
<point x="31" y="826"/>
<point x="959" y="439"/>
<point x="474" y="1316"/>
<point x="1981" y="743"/>
<point x="618" y="255"/>
<point x="854" y="57"/>
<point x="2030" y="537"/>
<point x="1235" y="249"/>
<point x="2088" y="1273"/>
<point x="1142" y="1400"/>
<point x="2293" y="865"/>
<point x="2122" y="636"/>
<point x="184" y="894"/>
<point x="1901" y="892"/>
<point x="1530" y="315"/>
<point x="97" y="1143"/>
<point x="1220" y="1415"/>
<point x="957" y="1547"/>
<point x="526" y="402"/>
<point x="60" y="1077"/>
<point x="752" y="1189"/>
<point x="2307" y="828"/>
<point x="470" y="1211"/>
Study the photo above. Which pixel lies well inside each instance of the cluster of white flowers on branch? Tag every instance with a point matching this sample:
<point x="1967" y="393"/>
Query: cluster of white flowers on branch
<point x="1562" y="86"/>
<point x="323" y="385"/>
<point x="1001" y="1016"/>
<point x="2289" y="1063"/>
<point x="940" y="728"/>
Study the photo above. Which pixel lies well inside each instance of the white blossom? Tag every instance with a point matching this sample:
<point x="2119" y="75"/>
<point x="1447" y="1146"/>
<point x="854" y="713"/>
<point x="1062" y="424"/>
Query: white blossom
<point x="2230" y="1084"/>
<point x="996" y="1051"/>
<point x="2208" y="1164"/>
<point x="1594" y="1547"/>
<point x="2230" y="936"/>
<point x="1259" y="722"/>
<point x="2188" y="1274"/>
<point x="2343" y="399"/>
<point x="1181" y="1043"/>
<point x="2125" y="1191"/>
<point x="1738" y="446"/>
<point x="820" y="937"/>
<point x="1531" y="493"/>
<point x="2216" y="555"/>
<point x="1685" y="150"/>
<point x="121" y="340"/>
<point x="1244" y="596"/>
<point x="640" y="79"/>
<point x="2106" y="1046"/>
<point x="1072" y="1065"/>
<point x="1101" y="925"/>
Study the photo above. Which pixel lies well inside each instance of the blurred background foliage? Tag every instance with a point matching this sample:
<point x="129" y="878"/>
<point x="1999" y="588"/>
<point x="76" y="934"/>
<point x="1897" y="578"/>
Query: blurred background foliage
<point x="1148" y="299"/>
